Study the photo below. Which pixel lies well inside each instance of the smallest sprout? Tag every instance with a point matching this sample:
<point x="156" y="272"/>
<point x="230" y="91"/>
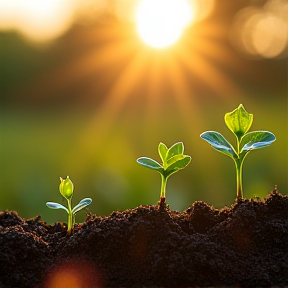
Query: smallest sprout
<point x="66" y="188"/>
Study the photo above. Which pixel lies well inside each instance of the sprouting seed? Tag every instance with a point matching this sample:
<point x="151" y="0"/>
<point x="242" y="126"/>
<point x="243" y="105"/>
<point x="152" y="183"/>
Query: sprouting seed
<point x="66" y="189"/>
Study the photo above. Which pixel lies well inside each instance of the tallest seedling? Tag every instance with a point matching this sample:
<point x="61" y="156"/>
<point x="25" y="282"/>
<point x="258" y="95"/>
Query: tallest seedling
<point x="239" y="122"/>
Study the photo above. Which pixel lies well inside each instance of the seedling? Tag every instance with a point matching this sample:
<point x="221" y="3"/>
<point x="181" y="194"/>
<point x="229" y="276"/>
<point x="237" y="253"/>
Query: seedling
<point x="173" y="160"/>
<point x="66" y="188"/>
<point x="239" y="122"/>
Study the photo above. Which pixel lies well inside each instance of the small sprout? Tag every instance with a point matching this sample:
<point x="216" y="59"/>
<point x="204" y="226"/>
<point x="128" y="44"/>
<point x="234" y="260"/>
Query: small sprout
<point x="66" y="188"/>
<point x="239" y="122"/>
<point x="173" y="160"/>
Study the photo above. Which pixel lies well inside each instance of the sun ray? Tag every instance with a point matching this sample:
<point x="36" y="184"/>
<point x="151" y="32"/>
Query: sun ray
<point x="160" y="73"/>
<point x="119" y="70"/>
<point x="121" y="91"/>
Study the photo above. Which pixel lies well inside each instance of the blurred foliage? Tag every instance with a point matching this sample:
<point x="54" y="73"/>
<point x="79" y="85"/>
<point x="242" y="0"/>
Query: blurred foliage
<point x="58" y="118"/>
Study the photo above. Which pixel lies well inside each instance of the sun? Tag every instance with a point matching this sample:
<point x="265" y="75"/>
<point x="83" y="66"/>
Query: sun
<point x="160" y="23"/>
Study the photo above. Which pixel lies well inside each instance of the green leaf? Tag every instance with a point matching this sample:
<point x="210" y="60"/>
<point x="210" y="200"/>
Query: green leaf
<point x="219" y="143"/>
<point x="150" y="163"/>
<point x="177" y="165"/>
<point x="256" y="140"/>
<point x="83" y="203"/>
<point x="239" y="121"/>
<point x="162" y="150"/>
<point x="174" y="159"/>
<point x="176" y="149"/>
<point x="53" y="205"/>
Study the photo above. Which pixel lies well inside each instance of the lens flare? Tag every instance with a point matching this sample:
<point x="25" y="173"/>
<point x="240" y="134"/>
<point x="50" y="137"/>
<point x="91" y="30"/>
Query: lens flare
<point x="74" y="274"/>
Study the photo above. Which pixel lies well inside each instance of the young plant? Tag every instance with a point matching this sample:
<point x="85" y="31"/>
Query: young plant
<point x="66" y="188"/>
<point x="239" y="122"/>
<point x="173" y="160"/>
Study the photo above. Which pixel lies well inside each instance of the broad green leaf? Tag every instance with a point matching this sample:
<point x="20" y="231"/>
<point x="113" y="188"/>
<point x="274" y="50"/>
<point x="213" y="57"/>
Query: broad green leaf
<point x="162" y="150"/>
<point x="83" y="203"/>
<point x="150" y="163"/>
<point x="239" y="121"/>
<point x="256" y="140"/>
<point x="219" y="143"/>
<point x="54" y="205"/>
<point x="179" y="164"/>
<point x="176" y="149"/>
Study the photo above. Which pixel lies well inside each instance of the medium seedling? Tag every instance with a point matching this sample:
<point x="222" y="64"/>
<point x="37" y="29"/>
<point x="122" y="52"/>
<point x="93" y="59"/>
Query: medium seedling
<point x="239" y="122"/>
<point x="66" y="188"/>
<point x="173" y="160"/>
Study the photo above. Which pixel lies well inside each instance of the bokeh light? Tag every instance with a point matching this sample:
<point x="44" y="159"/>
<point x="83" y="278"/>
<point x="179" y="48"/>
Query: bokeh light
<point x="262" y="32"/>
<point x="40" y="21"/>
<point x="73" y="274"/>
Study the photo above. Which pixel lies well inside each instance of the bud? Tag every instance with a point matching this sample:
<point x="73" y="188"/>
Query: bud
<point x="66" y="188"/>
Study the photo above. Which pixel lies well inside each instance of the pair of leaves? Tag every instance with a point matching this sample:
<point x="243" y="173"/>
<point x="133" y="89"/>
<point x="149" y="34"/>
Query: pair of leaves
<point x="250" y="141"/>
<point x="83" y="203"/>
<point x="239" y="122"/>
<point x="173" y="159"/>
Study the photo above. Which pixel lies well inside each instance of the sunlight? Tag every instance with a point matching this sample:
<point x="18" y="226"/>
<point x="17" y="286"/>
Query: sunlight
<point x="127" y="74"/>
<point x="37" y="20"/>
<point x="160" y="23"/>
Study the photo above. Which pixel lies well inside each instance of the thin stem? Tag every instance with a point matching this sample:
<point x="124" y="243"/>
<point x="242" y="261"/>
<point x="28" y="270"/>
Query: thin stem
<point x="70" y="217"/>
<point x="239" y="165"/>
<point x="239" y="168"/>
<point x="163" y="186"/>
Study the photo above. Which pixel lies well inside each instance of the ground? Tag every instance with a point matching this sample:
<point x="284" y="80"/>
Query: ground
<point x="245" y="245"/>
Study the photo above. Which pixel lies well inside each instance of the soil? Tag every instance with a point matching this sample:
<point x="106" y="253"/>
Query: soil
<point x="245" y="245"/>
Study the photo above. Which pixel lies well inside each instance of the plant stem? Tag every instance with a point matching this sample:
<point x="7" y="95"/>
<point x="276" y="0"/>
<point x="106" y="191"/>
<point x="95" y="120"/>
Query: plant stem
<point x="70" y="217"/>
<point x="239" y="165"/>
<point x="239" y="168"/>
<point x="163" y="186"/>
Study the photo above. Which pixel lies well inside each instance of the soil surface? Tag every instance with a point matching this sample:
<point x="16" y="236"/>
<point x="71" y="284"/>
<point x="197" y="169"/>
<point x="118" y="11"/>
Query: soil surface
<point x="245" y="245"/>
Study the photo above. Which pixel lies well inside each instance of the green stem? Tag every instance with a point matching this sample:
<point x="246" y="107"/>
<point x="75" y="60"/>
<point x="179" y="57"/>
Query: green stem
<point x="239" y="168"/>
<point x="163" y="186"/>
<point x="239" y="165"/>
<point x="70" y="217"/>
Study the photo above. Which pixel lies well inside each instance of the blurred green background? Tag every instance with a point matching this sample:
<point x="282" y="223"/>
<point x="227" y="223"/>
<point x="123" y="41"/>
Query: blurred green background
<point x="90" y="98"/>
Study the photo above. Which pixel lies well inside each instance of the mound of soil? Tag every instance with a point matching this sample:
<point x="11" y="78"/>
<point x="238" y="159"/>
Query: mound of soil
<point x="245" y="245"/>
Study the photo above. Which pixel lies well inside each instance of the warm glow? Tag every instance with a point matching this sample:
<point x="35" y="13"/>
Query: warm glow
<point x="269" y="36"/>
<point x="37" y="20"/>
<point x="262" y="32"/>
<point x="160" y="23"/>
<point x="75" y="274"/>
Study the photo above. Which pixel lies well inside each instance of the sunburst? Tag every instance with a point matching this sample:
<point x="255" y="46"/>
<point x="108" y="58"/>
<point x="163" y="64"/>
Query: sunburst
<point x="118" y="69"/>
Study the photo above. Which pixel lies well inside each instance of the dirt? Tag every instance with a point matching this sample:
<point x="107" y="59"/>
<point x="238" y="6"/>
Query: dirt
<point x="245" y="245"/>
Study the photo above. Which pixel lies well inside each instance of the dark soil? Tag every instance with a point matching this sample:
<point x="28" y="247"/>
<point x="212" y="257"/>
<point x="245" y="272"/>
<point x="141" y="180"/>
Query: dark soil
<point x="245" y="245"/>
